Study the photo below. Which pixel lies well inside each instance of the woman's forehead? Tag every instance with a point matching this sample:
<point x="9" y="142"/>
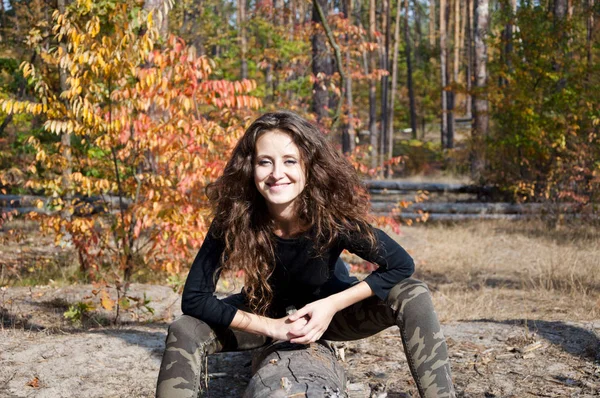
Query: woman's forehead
<point x="276" y="140"/>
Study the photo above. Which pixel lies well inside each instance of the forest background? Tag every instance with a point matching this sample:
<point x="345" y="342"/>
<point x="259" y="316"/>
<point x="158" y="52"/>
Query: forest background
<point x="119" y="113"/>
<point x="115" y="115"/>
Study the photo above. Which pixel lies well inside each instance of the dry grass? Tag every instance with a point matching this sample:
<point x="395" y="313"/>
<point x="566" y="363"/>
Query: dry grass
<point x="482" y="270"/>
<point x="508" y="270"/>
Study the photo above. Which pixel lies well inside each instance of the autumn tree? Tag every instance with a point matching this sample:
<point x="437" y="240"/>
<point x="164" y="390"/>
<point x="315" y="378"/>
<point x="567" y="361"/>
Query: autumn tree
<point x="161" y="212"/>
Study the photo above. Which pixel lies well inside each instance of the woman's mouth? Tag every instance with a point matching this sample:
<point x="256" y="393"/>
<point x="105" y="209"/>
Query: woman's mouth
<point x="278" y="186"/>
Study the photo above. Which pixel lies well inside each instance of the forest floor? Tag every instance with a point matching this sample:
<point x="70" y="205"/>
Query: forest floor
<point x="519" y="303"/>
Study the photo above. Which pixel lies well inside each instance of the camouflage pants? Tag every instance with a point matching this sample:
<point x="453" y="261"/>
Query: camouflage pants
<point x="408" y="306"/>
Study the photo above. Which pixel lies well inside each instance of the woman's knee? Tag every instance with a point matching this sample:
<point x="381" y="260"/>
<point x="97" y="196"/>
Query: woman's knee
<point x="188" y="331"/>
<point x="409" y="293"/>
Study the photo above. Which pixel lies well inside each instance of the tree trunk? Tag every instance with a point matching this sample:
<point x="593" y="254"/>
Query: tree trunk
<point x="560" y="8"/>
<point x="432" y="24"/>
<point x="418" y="38"/>
<point x="279" y="12"/>
<point x="444" y="73"/>
<point x="161" y="15"/>
<point x="374" y="136"/>
<point x="191" y="20"/>
<point x="290" y="370"/>
<point x="507" y="38"/>
<point x="65" y="138"/>
<point x="241" y="14"/>
<point x="450" y="89"/>
<point x="590" y="32"/>
<point x="409" y="72"/>
<point x="481" y="117"/>
<point x="385" y="81"/>
<point x="469" y="69"/>
<point x="461" y="38"/>
<point x="395" y="51"/>
<point x="321" y="66"/>
<point x="456" y="40"/>
<point x="348" y="133"/>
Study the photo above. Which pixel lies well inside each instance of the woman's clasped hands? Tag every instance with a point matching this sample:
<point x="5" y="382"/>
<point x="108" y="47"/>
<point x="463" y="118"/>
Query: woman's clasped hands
<point x="310" y="322"/>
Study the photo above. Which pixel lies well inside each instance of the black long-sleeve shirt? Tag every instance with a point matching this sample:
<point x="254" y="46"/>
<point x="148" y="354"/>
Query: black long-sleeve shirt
<point x="300" y="276"/>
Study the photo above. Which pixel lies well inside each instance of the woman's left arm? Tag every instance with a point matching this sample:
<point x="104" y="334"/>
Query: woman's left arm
<point x="395" y="264"/>
<point x="321" y="312"/>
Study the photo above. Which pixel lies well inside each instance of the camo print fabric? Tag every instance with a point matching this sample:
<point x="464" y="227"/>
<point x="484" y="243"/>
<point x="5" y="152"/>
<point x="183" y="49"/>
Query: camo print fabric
<point x="189" y="341"/>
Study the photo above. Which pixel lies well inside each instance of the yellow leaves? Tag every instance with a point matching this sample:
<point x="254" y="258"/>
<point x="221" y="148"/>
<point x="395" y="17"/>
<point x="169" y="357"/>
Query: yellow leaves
<point x="187" y="105"/>
<point x="59" y="126"/>
<point x="40" y="156"/>
<point x="150" y="20"/>
<point x="106" y="302"/>
<point x="27" y="69"/>
<point x="11" y="106"/>
<point x="93" y="26"/>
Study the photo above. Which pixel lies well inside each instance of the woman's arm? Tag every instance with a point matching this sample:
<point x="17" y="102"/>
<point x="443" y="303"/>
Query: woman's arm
<point x="277" y="329"/>
<point x="198" y="299"/>
<point x="321" y="312"/>
<point x="395" y="264"/>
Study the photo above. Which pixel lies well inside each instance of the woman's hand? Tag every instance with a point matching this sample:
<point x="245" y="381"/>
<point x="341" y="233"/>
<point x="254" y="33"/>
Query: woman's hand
<point x="319" y="313"/>
<point x="286" y="329"/>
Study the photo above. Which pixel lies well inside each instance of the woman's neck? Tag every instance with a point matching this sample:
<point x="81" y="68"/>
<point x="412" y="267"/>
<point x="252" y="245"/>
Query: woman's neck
<point x="288" y="227"/>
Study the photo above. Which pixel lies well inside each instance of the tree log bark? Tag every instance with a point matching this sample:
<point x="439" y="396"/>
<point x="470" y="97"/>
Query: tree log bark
<point x="285" y="369"/>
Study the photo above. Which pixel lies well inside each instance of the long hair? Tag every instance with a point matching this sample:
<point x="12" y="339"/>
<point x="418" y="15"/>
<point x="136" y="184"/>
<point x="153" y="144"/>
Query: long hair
<point x="333" y="203"/>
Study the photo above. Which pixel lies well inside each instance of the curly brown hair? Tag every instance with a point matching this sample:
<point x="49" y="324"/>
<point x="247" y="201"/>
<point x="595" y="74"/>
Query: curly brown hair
<point x="333" y="203"/>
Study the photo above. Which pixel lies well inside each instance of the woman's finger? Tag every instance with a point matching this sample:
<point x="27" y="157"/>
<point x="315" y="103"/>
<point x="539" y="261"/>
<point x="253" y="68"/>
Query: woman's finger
<point x="298" y="314"/>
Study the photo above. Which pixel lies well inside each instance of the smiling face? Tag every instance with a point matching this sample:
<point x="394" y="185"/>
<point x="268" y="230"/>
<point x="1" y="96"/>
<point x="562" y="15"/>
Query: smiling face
<point x="279" y="174"/>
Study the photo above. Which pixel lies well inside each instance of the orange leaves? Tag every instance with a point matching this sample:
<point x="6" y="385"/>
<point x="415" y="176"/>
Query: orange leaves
<point x="152" y="130"/>
<point x="34" y="383"/>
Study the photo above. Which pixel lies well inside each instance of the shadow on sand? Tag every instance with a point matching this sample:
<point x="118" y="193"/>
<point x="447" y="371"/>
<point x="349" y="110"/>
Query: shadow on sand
<point x="573" y="339"/>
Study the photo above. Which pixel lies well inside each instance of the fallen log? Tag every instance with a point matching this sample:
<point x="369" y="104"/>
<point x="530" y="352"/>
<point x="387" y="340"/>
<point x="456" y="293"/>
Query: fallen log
<point x="387" y="186"/>
<point x="295" y="370"/>
<point x="28" y="201"/>
<point x="461" y="217"/>
<point x="477" y="208"/>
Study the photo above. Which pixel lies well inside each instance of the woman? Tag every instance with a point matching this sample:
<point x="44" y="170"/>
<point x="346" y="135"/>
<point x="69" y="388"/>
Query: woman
<point x="285" y="207"/>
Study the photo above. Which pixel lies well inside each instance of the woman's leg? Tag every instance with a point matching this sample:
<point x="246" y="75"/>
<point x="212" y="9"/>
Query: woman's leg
<point x="188" y="343"/>
<point x="409" y="306"/>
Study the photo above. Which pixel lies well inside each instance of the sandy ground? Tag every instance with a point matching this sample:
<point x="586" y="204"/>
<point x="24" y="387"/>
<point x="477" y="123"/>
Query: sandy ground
<point x="42" y="355"/>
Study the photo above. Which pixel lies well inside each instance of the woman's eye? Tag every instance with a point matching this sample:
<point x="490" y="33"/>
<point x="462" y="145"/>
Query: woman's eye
<point x="291" y="162"/>
<point x="263" y="162"/>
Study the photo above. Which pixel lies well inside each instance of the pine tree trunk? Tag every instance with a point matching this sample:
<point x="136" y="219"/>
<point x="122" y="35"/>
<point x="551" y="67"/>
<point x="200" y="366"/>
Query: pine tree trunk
<point x="373" y="132"/>
<point x="348" y="133"/>
<point x="241" y="14"/>
<point x="590" y="32"/>
<point x="418" y="40"/>
<point x="385" y="82"/>
<point x="450" y="91"/>
<point x="456" y="40"/>
<point x="321" y="66"/>
<point x="191" y="26"/>
<point x="409" y="72"/>
<point x="444" y="73"/>
<point x="481" y="117"/>
<point x="395" y="52"/>
<point x="432" y="24"/>
<point x="470" y="57"/>
<point x="65" y="139"/>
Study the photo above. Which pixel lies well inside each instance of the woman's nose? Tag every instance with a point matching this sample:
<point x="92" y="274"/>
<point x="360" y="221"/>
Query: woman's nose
<point x="277" y="172"/>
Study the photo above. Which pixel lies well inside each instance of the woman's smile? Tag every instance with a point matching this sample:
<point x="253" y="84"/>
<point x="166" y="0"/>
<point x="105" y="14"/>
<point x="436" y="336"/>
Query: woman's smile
<point x="279" y="186"/>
